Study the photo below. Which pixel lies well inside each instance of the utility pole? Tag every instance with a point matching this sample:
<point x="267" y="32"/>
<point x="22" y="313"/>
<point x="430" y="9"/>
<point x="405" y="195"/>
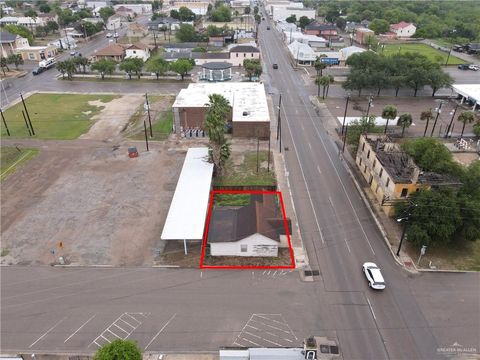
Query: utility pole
<point x="451" y="120"/>
<point x="8" y="131"/>
<point x="28" y="115"/>
<point x="149" y="118"/>
<point x="268" y="155"/>
<point x="146" y="136"/>
<point x="258" y="148"/>
<point x="26" y="123"/>
<point x="439" y="110"/>
<point x="448" y="57"/>
<point x="403" y="236"/>
<point x="345" y="113"/>
<point x="279" y="124"/>
<point x="370" y="100"/>
<point x="345" y="139"/>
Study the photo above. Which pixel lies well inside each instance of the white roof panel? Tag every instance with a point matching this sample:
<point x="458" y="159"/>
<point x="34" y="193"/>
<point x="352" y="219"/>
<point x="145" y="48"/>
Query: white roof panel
<point x="468" y="90"/>
<point x="188" y="209"/>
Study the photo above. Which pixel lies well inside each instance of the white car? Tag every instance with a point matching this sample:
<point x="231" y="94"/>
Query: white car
<point x="374" y="276"/>
<point x="115" y="35"/>
<point x="474" y="67"/>
<point x="109" y="35"/>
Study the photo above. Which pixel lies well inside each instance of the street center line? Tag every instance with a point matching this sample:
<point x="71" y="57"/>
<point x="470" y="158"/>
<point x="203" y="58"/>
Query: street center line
<point x="318" y="169"/>
<point x="371" y="309"/>
<point x="80" y="328"/>
<point x="163" y="328"/>
<point x="46" y="333"/>
<point x="309" y="145"/>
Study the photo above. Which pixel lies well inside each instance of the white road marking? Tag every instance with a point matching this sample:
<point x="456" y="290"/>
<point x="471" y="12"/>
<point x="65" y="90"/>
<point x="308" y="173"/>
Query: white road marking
<point x="273" y="327"/>
<point x="309" y="145"/>
<point x="111" y="332"/>
<point x="371" y="309"/>
<point x="46" y="333"/>
<point x="163" y="328"/>
<point x="126" y="323"/>
<point x="80" y="328"/>
<point x="16" y="162"/>
<point x="272" y="342"/>
<point x="246" y="332"/>
<point x="289" y="328"/>
<point x="254" y="343"/>
<point x="346" y="243"/>
<point x="125" y="331"/>
<point x="263" y="317"/>
<point x="201" y="274"/>
<point x="275" y="273"/>
<point x="318" y="169"/>
<point x="133" y="318"/>
<point x="253" y="327"/>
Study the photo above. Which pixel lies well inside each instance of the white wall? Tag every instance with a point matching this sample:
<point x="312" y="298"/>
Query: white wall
<point x="257" y="245"/>
<point x="136" y="53"/>
<point x="280" y="13"/>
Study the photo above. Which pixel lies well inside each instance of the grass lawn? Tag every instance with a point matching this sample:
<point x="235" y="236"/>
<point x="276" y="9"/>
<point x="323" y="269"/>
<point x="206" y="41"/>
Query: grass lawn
<point x="12" y="157"/>
<point x="162" y="124"/>
<point x="54" y="116"/>
<point x="431" y="53"/>
<point x="134" y="79"/>
<point x="231" y="199"/>
<point x="246" y="173"/>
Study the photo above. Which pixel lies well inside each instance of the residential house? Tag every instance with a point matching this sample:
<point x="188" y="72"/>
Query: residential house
<point x="37" y="53"/>
<point x="180" y="47"/>
<point x="45" y="18"/>
<point x="239" y="5"/>
<point x="29" y="22"/>
<point x="216" y="41"/>
<point x="388" y="36"/>
<point x="67" y="42"/>
<point x="125" y="12"/>
<point x="7" y="10"/>
<point x="197" y="7"/>
<point x="8" y="20"/>
<point x="170" y="23"/>
<point x="391" y="173"/>
<point x="9" y="43"/>
<point x="403" y="29"/>
<point x="249" y="116"/>
<point x="241" y="52"/>
<point x="138" y="9"/>
<point x="114" y="51"/>
<point x="363" y="34"/>
<point x="96" y="4"/>
<point x="345" y="53"/>
<point x="136" y="30"/>
<point x="138" y="50"/>
<point x="315" y="42"/>
<point x="252" y="230"/>
<point x="318" y="29"/>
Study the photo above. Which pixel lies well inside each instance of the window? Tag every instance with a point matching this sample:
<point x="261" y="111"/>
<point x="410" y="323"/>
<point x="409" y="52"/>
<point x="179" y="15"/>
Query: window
<point x="363" y="146"/>
<point x="252" y="54"/>
<point x="365" y="169"/>
<point x="368" y="154"/>
<point x="243" y="248"/>
<point x="388" y="181"/>
<point x="404" y="192"/>
<point x="374" y="163"/>
<point x="360" y="163"/>
<point x="236" y="54"/>
<point x="381" y="173"/>
<point x="244" y="55"/>
<point x="31" y="56"/>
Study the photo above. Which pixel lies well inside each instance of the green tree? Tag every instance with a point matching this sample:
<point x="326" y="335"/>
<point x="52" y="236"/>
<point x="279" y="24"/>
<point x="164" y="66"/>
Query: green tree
<point x="185" y="14"/>
<point x="466" y="117"/>
<point x="20" y="30"/>
<point x="255" y="10"/>
<point x="304" y="21"/>
<point x="119" y="350"/>
<point x="319" y="66"/>
<point x="52" y="26"/>
<point x="31" y="13"/>
<point x="379" y="26"/>
<point x="357" y="80"/>
<point x="389" y="112"/>
<point x="213" y="30"/>
<point x="41" y="31"/>
<point x="405" y="120"/>
<point x="67" y="67"/>
<point x="45" y="8"/>
<point x="341" y="23"/>
<point x="252" y="68"/>
<point x="132" y="65"/>
<point x="426" y="116"/>
<point x="81" y="62"/>
<point x="4" y="64"/>
<point x="476" y="129"/>
<point x="357" y="127"/>
<point x="247" y="10"/>
<point x="438" y="79"/>
<point x="186" y="33"/>
<point x="181" y="67"/>
<point x="222" y="14"/>
<point x="292" y="19"/>
<point x="15" y="59"/>
<point x="417" y="78"/>
<point x="105" y="13"/>
<point x="322" y="81"/>
<point x="158" y="66"/>
<point x="215" y="124"/>
<point x="104" y="66"/>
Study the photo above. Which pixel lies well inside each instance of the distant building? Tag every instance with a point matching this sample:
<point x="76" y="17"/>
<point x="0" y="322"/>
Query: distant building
<point x="138" y="9"/>
<point x="114" y="23"/>
<point x="7" y="10"/>
<point x="362" y="35"/>
<point x="114" y="51"/>
<point x="324" y="30"/>
<point x="45" y="18"/>
<point x="136" y="30"/>
<point x="37" y="53"/>
<point x="9" y="43"/>
<point x="281" y="12"/>
<point x="239" y="5"/>
<point x="249" y="116"/>
<point x="241" y="52"/>
<point x="302" y="54"/>
<point x="197" y="7"/>
<point x="391" y="173"/>
<point x="138" y="50"/>
<point x="403" y="29"/>
<point x="8" y="20"/>
<point x="345" y="53"/>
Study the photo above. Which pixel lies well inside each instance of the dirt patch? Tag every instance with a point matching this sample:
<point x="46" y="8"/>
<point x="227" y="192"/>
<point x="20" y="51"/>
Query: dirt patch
<point x="90" y="204"/>
<point x="113" y="118"/>
<point x="465" y="158"/>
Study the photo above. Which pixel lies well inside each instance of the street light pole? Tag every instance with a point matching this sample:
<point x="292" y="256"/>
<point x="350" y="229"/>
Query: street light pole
<point x="4" y="122"/>
<point x="345" y="113"/>
<point x="370" y="99"/>
<point x="439" y="110"/>
<point x="403" y="236"/>
<point x="279" y="123"/>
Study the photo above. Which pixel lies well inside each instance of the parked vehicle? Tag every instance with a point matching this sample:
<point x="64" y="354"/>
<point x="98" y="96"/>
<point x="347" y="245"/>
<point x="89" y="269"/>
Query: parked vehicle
<point x="275" y="66"/>
<point x="75" y="53"/>
<point x="37" y="70"/>
<point x="374" y="276"/>
<point x="109" y="35"/>
<point x="115" y="35"/>
<point x="463" y="66"/>
<point x="268" y="27"/>
<point x="47" y="63"/>
<point x="474" y="67"/>
<point x="458" y="48"/>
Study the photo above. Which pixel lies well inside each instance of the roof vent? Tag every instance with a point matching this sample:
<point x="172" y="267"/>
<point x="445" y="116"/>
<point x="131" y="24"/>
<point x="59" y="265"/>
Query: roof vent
<point x="245" y="113"/>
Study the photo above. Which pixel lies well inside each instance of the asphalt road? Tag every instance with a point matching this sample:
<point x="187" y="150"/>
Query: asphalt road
<point x="420" y="316"/>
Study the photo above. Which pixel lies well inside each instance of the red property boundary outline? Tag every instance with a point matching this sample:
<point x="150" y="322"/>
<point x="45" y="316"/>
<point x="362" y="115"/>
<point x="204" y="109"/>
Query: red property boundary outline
<point x="205" y="233"/>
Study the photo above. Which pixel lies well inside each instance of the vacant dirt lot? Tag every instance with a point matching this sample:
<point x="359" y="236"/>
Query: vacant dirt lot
<point x="88" y="202"/>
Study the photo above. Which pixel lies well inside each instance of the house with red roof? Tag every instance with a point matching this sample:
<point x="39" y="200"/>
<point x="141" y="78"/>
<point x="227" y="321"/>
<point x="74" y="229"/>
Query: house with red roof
<point x="403" y="29"/>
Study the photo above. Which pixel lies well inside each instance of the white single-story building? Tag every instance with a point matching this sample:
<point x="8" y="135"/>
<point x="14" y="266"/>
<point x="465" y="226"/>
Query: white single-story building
<point x="252" y="230"/>
<point x="346" y="52"/>
<point x="282" y="12"/>
<point x="136" y="8"/>
<point x="403" y="29"/>
<point x="302" y="53"/>
<point x="138" y="50"/>
<point x="468" y="92"/>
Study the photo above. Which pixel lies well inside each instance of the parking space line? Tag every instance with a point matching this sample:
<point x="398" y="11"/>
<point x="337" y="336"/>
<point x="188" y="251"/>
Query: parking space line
<point x="163" y="328"/>
<point x="111" y="332"/>
<point x="139" y="322"/>
<point x="272" y="342"/>
<point x="289" y="328"/>
<point x="104" y="338"/>
<point x="46" y="333"/>
<point x="126" y="323"/>
<point x="254" y="343"/>
<point x="263" y="317"/>
<point x="80" y="328"/>
<point x="125" y="331"/>
<point x="269" y="333"/>
<point x="253" y="327"/>
<point x="273" y="327"/>
<point x="246" y="332"/>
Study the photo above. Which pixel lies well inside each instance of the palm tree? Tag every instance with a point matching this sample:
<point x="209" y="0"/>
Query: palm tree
<point x="323" y="81"/>
<point x="319" y="66"/>
<point x="330" y="81"/>
<point x="426" y="115"/>
<point x="215" y="124"/>
<point x="405" y="120"/>
<point x="390" y="113"/>
<point x="466" y="117"/>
